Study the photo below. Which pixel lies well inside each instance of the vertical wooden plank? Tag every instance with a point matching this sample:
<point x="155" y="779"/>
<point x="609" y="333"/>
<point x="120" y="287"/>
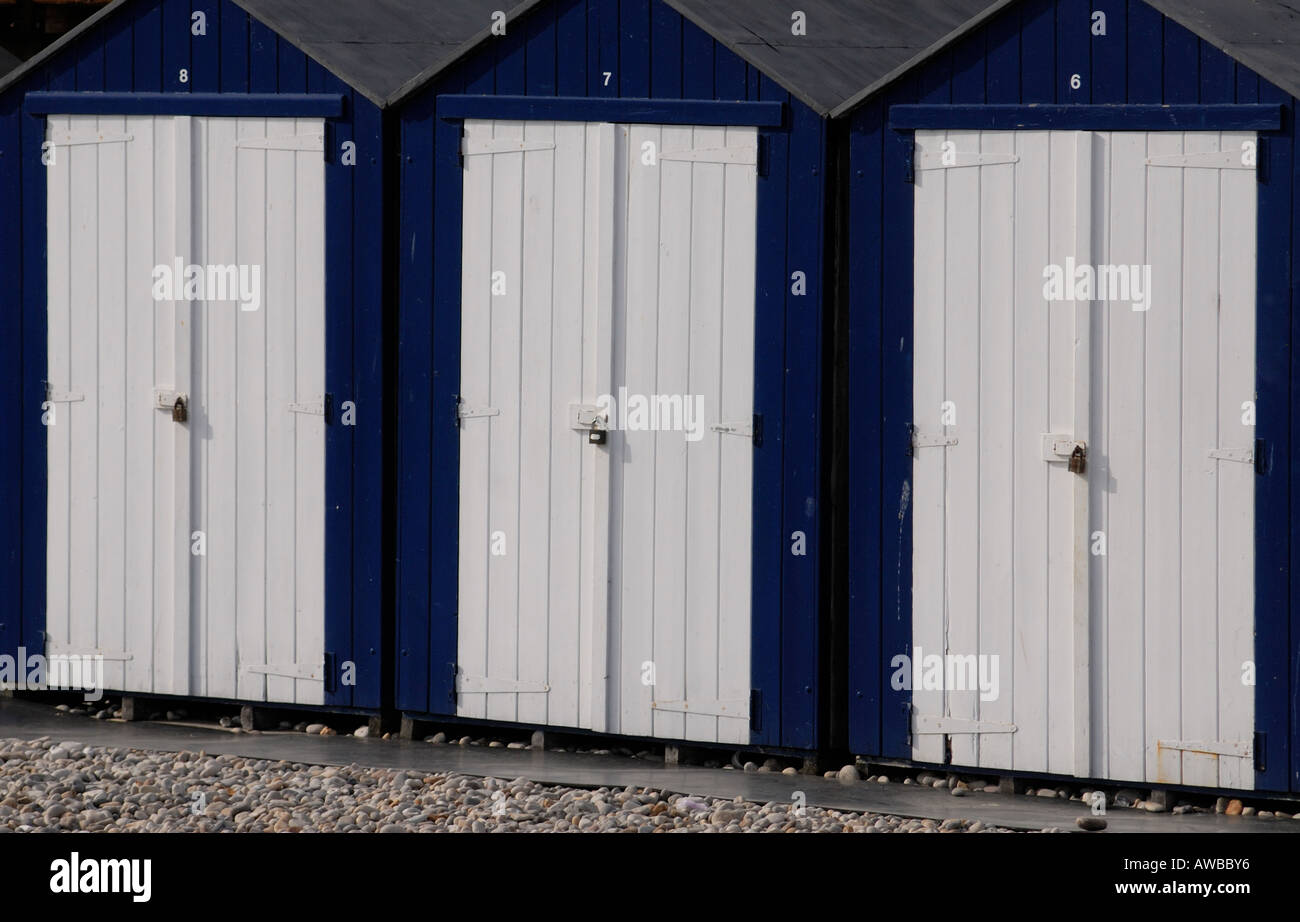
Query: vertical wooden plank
<point x="1085" y="202"/>
<point x="1109" y="51"/>
<point x="736" y="402"/>
<point x="605" y="215"/>
<point x="308" y="215"/>
<point x="291" y="67"/>
<point x="1146" y="54"/>
<point x="1098" y="451"/>
<point x="11" y="356"/>
<point x="1074" y="51"/>
<point x="138" y="540"/>
<point x="205" y="49"/>
<point x="540" y="413"/>
<point x="698" y="50"/>
<point x="1038" y="74"/>
<point x="702" y="458"/>
<point x="282" y="303"/>
<point x="962" y="473"/>
<point x="115" y="299"/>
<point x="504" y="464"/>
<point x="1163" y="533"/>
<point x="571" y="36"/>
<point x="670" y="594"/>
<point x="183" y="338"/>
<point x="252" y="374"/>
<point x="634" y="452"/>
<point x="634" y="48"/>
<point x="996" y="446"/>
<point x="234" y="49"/>
<point x="118" y="56"/>
<point x="665" y="52"/>
<point x="1125" y="466"/>
<point x="177" y="67"/>
<point x="61" y="242"/>
<point x="1198" y="500"/>
<point x="84" y="377"/>
<point x="1235" y="625"/>
<point x="475" y="434"/>
<point x="1182" y="65"/>
<point x="1002" y="77"/>
<point x="568" y="448"/>
<point x="930" y="385"/>
<point x="146" y="50"/>
<point x="199" y="404"/>
<point x="263" y="49"/>
<point x="1026" y="678"/>
<point x="1062" y="417"/>
<point x="541" y="52"/>
<point x="166" y="475"/>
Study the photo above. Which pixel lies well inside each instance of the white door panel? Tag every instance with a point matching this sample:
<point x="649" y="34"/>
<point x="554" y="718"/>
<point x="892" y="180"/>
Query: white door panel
<point x="1117" y="600"/>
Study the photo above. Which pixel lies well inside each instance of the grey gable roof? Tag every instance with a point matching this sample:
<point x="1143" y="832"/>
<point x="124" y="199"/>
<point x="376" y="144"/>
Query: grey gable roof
<point x="1264" y="35"/>
<point x="852" y="47"/>
<point x="384" y="48"/>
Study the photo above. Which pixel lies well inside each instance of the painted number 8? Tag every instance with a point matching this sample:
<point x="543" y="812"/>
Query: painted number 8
<point x="185" y="75"/>
<point x="1075" y="82"/>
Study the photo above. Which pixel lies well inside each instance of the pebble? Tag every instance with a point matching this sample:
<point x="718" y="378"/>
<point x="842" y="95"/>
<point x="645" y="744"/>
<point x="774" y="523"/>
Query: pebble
<point x="120" y="789"/>
<point x="1233" y="808"/>
<point x="1248" y="811"/>
<point x="1046" y="792"/>
<point x="313" y="729"/>
<point x="438" y="739"/>
<point x="361" y="732"/>
<point x="789" y="770"/>
<point x="848" y="774"/>
<point x="1150" y="806"/>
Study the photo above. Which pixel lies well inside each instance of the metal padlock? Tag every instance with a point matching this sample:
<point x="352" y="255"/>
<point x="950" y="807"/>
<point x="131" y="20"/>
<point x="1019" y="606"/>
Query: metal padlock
<point x="1078" y="460"/>
<point x="595" y="436"/>
<point x="180" y="412"/>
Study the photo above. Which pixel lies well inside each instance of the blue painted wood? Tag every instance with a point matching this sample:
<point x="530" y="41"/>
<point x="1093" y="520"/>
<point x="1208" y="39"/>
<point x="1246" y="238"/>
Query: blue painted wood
<point x="416" y="456"/>
<point x="1038" y="52"/>
<point x="371" y="288"/>
<point x="90" y="68"/>
<point x="1110" y="53"/>
<point x="1073" y="51"/>
<point x="607" y="73"/>
<point x="541" y="51"/>
<point x="1002" y="79"/>
<point x="34" y="374"/>
<point x="585" y="109"/>
<point x="176" y="46"/>
<point x="969" y="61"/>
<point x="634" y="48"/>
<point x="1218" y="76"/>
<point x="1182" y="65"/>
<point x="11" y="357"/>
<point x="1146" y="29"/>
<point x="205" y="50"/>
<point x="1288" y="149"/>
<point x="147" y="40"/>
<point x="1092" y="118"/>
<point x="234" y="48"/>
<point x="895" y="523"/>
<point x="570" y="40"/>
<point x="267" y="105"/>
<point x="865" y="568"/>
<point x="698" y="52"/>
<point x="770" y="541"/>
<point x="118" y="61"/>
<point x="666" y="53"/>
<point x="1276" y="578"/>
<point x="263" y="52"/>
<point x="291" y="68"/>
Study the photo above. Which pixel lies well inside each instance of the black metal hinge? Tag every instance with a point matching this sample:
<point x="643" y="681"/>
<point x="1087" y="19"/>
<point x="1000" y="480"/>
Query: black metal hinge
<point x="755" y="710"/>
<point x="756" y="430"/>
<point x="909" y="159"/>
<point x="1261" y="461"/>
<point x="331" y="673"/>
<point x="327" y="408"/>
<point x="764" y="154"/>
<point x="1261" y="747"/>
<point x="1261" y="160"/>
<point x="451" y="694"/>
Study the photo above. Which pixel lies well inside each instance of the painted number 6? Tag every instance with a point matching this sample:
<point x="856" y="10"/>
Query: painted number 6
<point x="1075" y="82"/>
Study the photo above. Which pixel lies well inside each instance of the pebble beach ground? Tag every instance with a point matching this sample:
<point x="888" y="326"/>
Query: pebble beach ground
<point x="51" y="785"/>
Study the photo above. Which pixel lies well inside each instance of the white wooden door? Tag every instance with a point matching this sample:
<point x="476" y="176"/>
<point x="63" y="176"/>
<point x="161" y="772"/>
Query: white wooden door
<point x="605" y="585"/>
<point x="1114" y="603"/>
<point x="188" y="554"/>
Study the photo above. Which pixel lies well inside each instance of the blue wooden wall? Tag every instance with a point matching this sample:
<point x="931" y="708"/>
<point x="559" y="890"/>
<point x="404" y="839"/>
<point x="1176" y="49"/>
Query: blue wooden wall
<point x="1028" y="54"/>
<point x="564" y="49"/>
<point x="143" y="47"/>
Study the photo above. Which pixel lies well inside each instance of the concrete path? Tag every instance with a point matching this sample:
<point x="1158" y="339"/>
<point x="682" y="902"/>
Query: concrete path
<point x="28" y="719"/>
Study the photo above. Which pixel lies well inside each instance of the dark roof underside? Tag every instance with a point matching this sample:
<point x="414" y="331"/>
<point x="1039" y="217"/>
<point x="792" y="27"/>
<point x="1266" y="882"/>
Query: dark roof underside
<point x="851" y="48"/>
<point x="1264" y="35"/>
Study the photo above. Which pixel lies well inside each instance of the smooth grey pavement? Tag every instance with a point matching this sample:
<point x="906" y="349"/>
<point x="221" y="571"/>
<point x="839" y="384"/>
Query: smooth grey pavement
<point x="28" y="719"/>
